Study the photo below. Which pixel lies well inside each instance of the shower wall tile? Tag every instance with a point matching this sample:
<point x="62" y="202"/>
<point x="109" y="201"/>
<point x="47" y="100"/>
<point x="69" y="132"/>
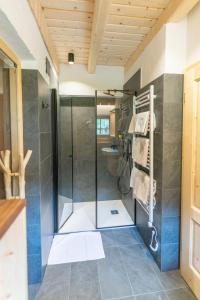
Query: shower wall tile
<point x="170" y="229"/>
<point x="167" y="171"/>
<point x="34" y="268"/>
<point x="170" y="257"/>
<point x="171" y="202"/>
<point x="37" y="137"/>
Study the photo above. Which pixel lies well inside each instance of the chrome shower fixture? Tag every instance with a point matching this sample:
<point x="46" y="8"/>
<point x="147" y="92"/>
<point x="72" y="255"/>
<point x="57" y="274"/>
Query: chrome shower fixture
<point x="113" y="92"/>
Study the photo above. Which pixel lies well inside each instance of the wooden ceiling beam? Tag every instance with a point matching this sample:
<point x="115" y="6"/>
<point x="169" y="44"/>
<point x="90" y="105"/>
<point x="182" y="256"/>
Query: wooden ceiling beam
<point x="172" y="9"/>
<point x="38" y="13"/>
<point x="100" y="15"/>
<point x="184" y="8"/>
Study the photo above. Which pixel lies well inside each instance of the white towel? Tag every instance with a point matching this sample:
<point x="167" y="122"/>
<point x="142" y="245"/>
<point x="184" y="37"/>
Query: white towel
<point x="141" y="186"/>
<point x="132" y="178"/>
<point x="142" y="122"/>
<point x="132" y="125"/>
<point x="140" y="151"/>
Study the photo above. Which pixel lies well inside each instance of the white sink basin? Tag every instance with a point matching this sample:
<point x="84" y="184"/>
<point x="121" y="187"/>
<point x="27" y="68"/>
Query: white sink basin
<point x="109" y="150"/>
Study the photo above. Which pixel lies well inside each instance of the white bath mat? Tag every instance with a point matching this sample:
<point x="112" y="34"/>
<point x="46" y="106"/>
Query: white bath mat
<point x="76" y="247"/>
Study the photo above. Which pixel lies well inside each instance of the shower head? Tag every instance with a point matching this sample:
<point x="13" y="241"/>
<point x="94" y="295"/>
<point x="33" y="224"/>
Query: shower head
<point x="113" y="93"/>
<point x="108" y="93"/>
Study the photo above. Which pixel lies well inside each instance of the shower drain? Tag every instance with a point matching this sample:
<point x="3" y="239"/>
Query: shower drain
<point x="114" y="212"/>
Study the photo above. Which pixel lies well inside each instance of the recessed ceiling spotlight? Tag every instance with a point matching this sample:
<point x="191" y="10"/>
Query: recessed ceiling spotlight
<point x="71" y="58"/>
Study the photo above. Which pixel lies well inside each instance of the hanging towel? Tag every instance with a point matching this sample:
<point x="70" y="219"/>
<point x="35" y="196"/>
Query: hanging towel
<point x="141" y="149"/>
<point x="142" y="123"/>
<point x="141" y="186"/>
<point x="132" y="177"/>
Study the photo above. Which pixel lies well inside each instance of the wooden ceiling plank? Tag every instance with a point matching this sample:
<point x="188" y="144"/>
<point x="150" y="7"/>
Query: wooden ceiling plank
<point x="69" y="44"/>
<point x="131" y="21"/>
<point x="53" y="23"/>
<point x="117" y="42"/>
<point x="38" y="13"/>
<point x="72" y="38"/>
<point x="84" y="6"/>
<point x="123" y="36"/>
<point x="126" y="29"/>
<point x="101" y="10"/>
<point x="136" y="11"/>
<point x="70" y="32"/>
<point x="67" y="15"/>
<point x="144" y="3"/>
<point x="172" y="8"/>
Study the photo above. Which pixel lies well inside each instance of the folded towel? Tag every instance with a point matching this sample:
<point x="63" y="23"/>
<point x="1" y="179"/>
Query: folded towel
<point x="142" y="123"/>
<point x="132" y="123"/>
<point x="141" y="186"/>
<point x="140" y="151"/>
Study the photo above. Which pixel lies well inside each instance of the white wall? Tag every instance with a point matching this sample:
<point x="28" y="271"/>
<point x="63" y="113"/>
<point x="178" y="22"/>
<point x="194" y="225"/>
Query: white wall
<point x="166" y="53"/>
<point x="75" y="80"/>
<point x="152" y="60"/>
<point x="19" y="30"/>
<point x="193" y="36"/>
<point x="176" y="43"/>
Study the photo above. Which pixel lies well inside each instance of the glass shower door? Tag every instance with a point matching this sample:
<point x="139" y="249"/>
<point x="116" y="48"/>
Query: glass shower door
<point x="65" y="161"/>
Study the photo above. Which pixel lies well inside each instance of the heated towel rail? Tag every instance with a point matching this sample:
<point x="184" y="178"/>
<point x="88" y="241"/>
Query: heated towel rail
<point x="145" y="102"/>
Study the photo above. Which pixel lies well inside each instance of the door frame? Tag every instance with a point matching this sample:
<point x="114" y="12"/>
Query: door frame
<point x="191" y="94"/>
<point x="16" y="110"/>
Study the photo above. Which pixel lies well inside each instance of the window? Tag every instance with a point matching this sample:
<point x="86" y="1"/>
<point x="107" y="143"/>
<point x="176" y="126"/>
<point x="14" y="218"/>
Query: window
<point x="103" y="126"/>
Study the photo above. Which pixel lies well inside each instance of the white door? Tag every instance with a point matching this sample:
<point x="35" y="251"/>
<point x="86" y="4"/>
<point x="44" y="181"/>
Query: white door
<point x="190" y="230"/>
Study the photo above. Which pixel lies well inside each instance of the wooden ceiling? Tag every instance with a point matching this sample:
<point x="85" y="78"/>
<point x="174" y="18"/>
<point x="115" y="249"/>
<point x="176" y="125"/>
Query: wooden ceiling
<point x="99" y="32"/>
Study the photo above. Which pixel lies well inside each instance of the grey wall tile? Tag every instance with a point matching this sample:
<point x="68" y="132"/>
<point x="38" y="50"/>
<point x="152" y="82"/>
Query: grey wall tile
<point x="45" y="145"/>
<point x="170" y="229"/>
<point x="34" y="239"/>
<point x="39" y="171"/>
<point x="169" y="257"/>
<point x="171" y="174"/>
<point x="34" y="268"/>
<point x="171" y="202"/>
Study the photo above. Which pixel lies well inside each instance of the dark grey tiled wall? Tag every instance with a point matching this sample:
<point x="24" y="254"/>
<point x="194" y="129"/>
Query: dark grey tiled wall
<point x="167" y="171"/>
<point x="134" y="84"/>
<point x="37" y="136"/>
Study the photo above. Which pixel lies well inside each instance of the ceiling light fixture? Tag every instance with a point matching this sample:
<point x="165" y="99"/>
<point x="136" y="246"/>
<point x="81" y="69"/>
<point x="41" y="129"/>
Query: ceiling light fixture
<point x="71" y="58"/>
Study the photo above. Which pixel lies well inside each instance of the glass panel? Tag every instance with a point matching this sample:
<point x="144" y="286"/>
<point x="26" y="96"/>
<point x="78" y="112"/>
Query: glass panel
<point x="65" y="150"/>
<point x="5" y="126"/>
<point x="111" y="211"/>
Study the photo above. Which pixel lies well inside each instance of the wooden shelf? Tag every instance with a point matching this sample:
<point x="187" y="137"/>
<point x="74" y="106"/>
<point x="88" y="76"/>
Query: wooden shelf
<point x="9" y="210"/>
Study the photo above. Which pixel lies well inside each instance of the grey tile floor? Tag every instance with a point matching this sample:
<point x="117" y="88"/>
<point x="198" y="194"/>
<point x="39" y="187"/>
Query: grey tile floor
<point x="128" y="272"/>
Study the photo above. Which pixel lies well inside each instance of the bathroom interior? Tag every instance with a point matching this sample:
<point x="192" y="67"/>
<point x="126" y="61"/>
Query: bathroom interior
<point x="99" y="161"/>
